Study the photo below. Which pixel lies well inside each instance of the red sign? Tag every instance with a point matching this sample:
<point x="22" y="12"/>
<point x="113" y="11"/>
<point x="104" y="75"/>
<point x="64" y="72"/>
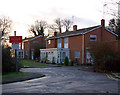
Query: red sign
<point x="15" y="39"/>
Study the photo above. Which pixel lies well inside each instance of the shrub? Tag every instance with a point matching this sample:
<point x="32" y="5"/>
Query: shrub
<point x="8" y="63"/>
<point x="72" y="62"/>
<point x="105" y="58"/>
<point x="44" y="60"/>
<point x="66" y="61"/>
<point x="53" y="60"/>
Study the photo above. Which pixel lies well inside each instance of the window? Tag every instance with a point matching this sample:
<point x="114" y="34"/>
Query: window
<point x="26" y="52"/>
<point x="93" y="37"/>
<point x="58" y="43"/>
<point x="65" y="42"/>
<point x="35" y="42"/>
<point x="49" y="41"/>
<point x="77" y="54"/>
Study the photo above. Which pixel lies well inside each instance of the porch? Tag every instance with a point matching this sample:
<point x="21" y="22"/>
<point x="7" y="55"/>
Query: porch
<point x="56" y="54"/>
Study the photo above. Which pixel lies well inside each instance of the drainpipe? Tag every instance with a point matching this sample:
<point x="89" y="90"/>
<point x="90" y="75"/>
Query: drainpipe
<point x="46" y="43"/>
<point x="83" y="50"/>
<point x="29" y="49"/>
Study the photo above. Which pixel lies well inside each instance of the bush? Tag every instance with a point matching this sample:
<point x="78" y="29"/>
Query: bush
<point x="8" y="63"/>
<point x="72" y="62"/>
<point x="105" y="58"/>
<point x="53" y="60"/>
<point x="44" y="60"/>
<point x="66" y="61"/>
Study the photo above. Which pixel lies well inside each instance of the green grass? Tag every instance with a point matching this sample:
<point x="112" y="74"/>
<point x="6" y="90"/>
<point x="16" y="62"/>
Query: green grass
<point x="32" y="63"/>
<point x="13" y="76"/>
<point x="118" y="73"/>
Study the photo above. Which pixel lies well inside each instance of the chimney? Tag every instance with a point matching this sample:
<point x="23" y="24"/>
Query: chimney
<point x="103" y="22"/>
<point x="55" y="34"/>
<point x="74" y="27"/>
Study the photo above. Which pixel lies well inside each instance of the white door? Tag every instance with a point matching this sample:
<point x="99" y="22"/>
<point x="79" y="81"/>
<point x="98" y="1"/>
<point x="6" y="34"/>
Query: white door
<point x="88" y="58"/>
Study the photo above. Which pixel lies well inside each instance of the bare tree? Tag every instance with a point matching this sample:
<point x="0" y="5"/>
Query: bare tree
<point x="58" y="23"/>
<point x="118" y="28"/>
<point x="38" y="28"/>
<point x="53" y="27"/>
<point x="111" y="7"/>
<point x="5" y="27"/>
<point x="114" y="23"/>
<point x="67" y="24"/>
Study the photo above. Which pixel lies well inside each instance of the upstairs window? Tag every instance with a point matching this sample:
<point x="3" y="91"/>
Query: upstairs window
<point x="93" y="37"/>
<point x="58" y="43"/>
<point x="65" y="42"/>
<point x="26" y="52"/>
<point x="35" y="42"/>
<point x="49" y="41"/>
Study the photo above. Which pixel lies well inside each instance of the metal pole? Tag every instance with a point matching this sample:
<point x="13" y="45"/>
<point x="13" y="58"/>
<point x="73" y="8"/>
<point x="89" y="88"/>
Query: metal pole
<point x="16" y="56"/>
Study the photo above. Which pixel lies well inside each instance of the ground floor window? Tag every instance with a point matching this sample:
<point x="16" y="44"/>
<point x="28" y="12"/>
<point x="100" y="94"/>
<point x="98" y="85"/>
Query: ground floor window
<point x="20" y="54"/>
<point x="77" y="54"/>
<point x="26" y="52"/>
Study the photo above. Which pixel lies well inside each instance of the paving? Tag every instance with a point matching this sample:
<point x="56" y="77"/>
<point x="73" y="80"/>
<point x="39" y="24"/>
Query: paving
<point x="63" y="80"/>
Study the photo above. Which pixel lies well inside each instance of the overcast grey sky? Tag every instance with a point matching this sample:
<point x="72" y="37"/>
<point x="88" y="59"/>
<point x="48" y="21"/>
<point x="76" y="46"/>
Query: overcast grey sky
<point x="84" y="13"/>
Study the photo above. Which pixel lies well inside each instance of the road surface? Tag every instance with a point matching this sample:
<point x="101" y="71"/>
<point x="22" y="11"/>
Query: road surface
<point x="63" y="80"/>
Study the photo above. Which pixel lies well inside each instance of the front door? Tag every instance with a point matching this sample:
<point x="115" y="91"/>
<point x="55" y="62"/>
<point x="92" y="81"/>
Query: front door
<point x="88" y="58"/>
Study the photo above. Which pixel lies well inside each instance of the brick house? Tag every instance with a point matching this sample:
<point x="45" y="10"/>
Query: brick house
<point x="29" y="43"/>
<point x="76" y="44"/>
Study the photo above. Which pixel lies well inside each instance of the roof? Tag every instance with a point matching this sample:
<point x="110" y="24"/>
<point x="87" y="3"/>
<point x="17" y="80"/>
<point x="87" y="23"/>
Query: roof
<point x="32" y="38"/>
<point x="77" y="32"/>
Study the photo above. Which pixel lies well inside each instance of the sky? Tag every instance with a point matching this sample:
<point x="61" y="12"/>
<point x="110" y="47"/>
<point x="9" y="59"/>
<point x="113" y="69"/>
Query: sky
<point x="23" y="13"/>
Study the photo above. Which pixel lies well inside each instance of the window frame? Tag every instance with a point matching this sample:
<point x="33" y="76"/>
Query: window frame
<point x="59" y="43"/>
<point x="77" y="54"/>
<point x="49" y="42"/>
<point x="93" y="36"/>
<point x="27" y="52"/>
<point x="66" y="42"/>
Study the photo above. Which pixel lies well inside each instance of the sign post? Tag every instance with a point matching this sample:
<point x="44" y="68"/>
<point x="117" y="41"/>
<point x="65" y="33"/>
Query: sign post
<point x="16" y="55"/>
<point x="15" y="40"/>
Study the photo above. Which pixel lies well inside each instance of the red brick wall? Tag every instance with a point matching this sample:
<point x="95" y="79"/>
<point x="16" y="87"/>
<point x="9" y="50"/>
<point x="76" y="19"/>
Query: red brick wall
<point x="87" y="41"/>
<point x="114" y="45"/>
<point x="75" y="45"/>
<point x="53" y="43"/>
<point x="107" y="36"/>
<point x="62" y="42"/>
<point x="104" y="37"/>
<point x="26" y="48"/>
<point x="30" y="45"/>
<point x="41" y="40"/>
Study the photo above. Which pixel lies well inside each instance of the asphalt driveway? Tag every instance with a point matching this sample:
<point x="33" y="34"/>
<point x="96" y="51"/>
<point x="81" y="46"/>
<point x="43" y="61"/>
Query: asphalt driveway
<point x="63" y="80"/>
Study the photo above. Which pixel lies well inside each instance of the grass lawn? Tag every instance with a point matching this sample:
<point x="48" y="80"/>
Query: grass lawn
<point x="32" y="63"/>
<point x="118" y="73"/>
<point x="18" y="76"/>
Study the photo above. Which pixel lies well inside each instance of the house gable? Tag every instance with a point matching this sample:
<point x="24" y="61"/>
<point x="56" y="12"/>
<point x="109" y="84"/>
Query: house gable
<point x="93" y="29"/>
<point x="111" y="32"/>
